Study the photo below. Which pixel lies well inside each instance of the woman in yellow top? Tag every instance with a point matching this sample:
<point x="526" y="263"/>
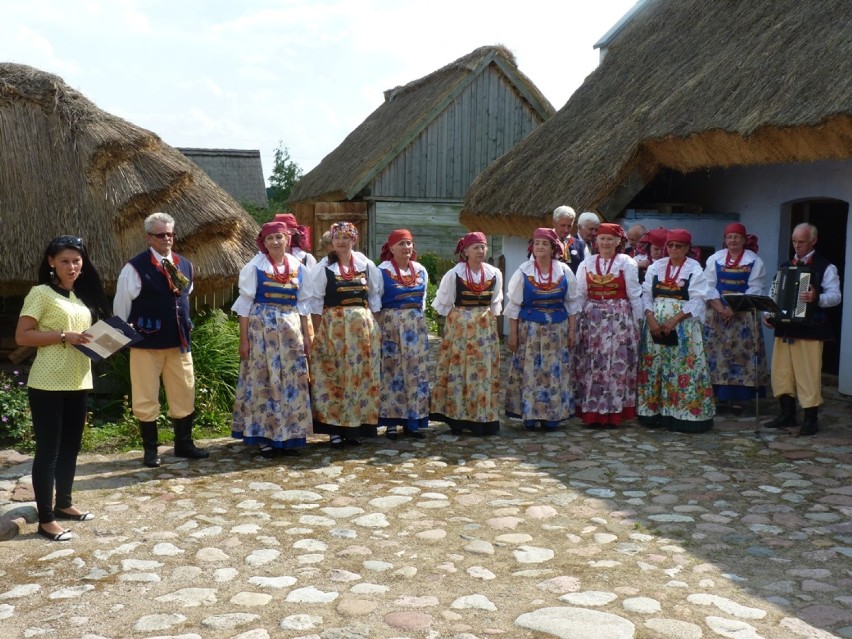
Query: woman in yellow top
<point x="54" y="318"/>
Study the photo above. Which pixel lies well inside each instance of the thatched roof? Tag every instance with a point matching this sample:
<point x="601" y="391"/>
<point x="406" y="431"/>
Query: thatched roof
<point x="238" y="171"/>
<point x="405" y="113"/>
<point x="69" y="168"/>
<point x="686" y="85"/>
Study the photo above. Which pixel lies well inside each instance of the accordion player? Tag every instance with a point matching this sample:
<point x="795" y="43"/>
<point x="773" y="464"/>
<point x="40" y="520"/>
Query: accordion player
<point x="790" y="282"/>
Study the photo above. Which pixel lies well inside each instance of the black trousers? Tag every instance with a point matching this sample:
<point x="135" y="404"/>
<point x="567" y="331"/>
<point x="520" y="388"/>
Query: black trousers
<point x="58" y="420"/>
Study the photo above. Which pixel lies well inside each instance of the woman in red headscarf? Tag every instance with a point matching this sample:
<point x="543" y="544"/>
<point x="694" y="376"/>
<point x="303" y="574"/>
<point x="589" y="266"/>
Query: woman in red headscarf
<point x="467" y="388"/>
<point x="344" y="290"/>
<point x="608" y="350"/>
<point x="674" y="382"/>
<point x="541" y="304"/>
<point x="404" y="399"/>
<point x="272" y="408"/>
<point x="736" y="354"/>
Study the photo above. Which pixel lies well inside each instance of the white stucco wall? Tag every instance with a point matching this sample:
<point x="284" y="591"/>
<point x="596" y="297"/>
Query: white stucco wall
<point x="761" y="196"/>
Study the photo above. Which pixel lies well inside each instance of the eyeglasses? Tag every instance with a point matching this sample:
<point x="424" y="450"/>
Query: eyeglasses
<point x="161" y="236"/>
<point x="676" y="245"/>
<point x="71" y="241"/>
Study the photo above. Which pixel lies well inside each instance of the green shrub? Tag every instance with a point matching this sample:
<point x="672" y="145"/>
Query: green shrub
<point x="15" y="419"/>
<point x="216" y="358"/>
<point x="431" y="314"/>
<point x="435" y="266"/>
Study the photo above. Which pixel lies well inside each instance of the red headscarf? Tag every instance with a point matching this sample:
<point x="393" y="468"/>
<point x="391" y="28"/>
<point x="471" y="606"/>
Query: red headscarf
<point x="679" y="235"/>
<point x="657" y="237"/>
<point x="268" y="229"/>
<point x="608" y="228"/>
<point x="544" y="233"/>
<point x="393" y="238"/>
<point x="750" y="240"/>
<point x="288" y="218"/>
<point x="474" y="237"/>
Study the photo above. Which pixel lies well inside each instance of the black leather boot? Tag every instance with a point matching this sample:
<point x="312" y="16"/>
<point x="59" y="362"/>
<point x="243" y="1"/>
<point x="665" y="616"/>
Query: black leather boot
<point x="810" y="426"/>
<point x="787" y="416"/>
<point x="184" y="446"/>
<point x="148" y="430"/>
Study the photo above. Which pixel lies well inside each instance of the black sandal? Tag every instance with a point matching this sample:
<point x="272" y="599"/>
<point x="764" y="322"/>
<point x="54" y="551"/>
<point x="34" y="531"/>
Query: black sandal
<point x="266" y="451"/>
<point x="61" y="514"/>
<point x="65" y="535"/>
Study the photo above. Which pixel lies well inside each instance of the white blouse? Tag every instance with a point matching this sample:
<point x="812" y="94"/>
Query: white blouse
<point x="698" y="289"/>
<point x="317" y="281"/>
<point x="621" y="263"/>
<point x="417" y="268"/>
<point x="445" y="299"/>
<point x="515" y="289"/>
<point x="756" y="279"/>
<point x="305" y="258"/>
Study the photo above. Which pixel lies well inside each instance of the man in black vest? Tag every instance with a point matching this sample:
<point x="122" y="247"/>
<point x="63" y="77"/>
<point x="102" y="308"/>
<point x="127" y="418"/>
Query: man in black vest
<point x="797" y="352"/>
<point x="152" y="294"/>
<point x="575" y="248"/>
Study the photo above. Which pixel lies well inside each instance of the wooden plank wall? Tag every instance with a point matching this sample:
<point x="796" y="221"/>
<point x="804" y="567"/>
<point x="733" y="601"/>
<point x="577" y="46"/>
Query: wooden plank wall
<point x="484" y="122"/>
<point x="320" y="215"/>
<point x="435" y="227"/>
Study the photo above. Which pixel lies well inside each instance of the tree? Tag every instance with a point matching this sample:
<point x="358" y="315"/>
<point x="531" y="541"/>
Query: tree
<point x="284" y="176"/>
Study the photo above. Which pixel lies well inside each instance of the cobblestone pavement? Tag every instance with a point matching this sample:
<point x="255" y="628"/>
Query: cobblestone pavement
<point x="580" y="534"/>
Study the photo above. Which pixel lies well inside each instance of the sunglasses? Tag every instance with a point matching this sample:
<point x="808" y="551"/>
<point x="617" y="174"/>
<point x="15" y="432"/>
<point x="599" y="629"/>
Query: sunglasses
<point x="676" y="245"/>
<point x="162" y="236"/>
<point x="68" y="241"/>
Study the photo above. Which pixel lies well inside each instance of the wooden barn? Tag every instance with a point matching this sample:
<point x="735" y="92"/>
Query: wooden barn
<point x="411" y="161"/>
<point x="700" y="113"/>
<point x="238" y="171"/>
<point x="70" y="168"/>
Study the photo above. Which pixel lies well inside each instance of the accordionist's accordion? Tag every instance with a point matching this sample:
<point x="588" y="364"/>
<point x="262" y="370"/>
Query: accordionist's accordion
<point x="790" y="282"/>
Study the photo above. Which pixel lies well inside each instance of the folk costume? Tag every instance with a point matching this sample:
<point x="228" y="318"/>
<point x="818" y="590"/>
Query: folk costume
<point x="346" y="352"/>
<point x="272" y="407"/>
<point x="405" y="392"/>
<point x="152" y="294"/>
<point x="673" y="379"/>
<point x="467" y="387"/>
<point x="736" y="355"/>
<point x="608" y="336"/>
<point x="797" y="349"/>
<point x="539" y="385"/>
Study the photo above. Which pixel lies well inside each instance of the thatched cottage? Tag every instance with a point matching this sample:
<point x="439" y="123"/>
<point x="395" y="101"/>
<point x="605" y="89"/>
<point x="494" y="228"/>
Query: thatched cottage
<point x="238" y="171"/>
<point x="70" y="168"/>
<point x="700" y="113"/>
<point x="411" y="161"/>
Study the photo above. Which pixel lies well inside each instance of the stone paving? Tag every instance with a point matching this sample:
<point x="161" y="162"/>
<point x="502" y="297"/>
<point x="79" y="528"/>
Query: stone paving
<point x="580" y="534"/>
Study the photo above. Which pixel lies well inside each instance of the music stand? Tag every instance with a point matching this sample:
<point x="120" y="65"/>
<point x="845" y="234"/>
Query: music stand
<point x="741" y="303"/>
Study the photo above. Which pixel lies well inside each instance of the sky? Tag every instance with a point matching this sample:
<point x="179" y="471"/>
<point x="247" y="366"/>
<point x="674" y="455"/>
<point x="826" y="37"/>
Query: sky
<point x="250" y="74"/>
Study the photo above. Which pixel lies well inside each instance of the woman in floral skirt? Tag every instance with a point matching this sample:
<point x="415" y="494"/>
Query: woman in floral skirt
<point x="611" y="298"/>
<point x="272" y="408"/>
<point x="736" y="354"/>
<point x="541" y="304"/>
<point x="470" y="296"/>
<point x="674" y="382"/>
<point x="345" y="289"/>
<point x="404" y="397"/>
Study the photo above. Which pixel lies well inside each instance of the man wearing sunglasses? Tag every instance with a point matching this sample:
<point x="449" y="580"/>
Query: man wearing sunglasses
<point x="152" y="294"/>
